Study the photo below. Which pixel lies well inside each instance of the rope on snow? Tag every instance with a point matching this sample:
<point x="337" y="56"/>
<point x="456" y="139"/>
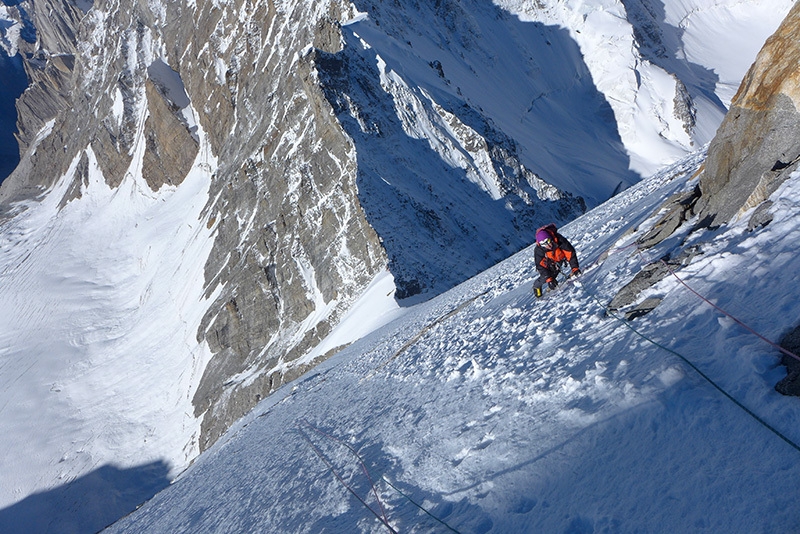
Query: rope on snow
<point x="382" y="516"/>
<point x="422" y="333"/>
<point x="409" y="499"/>
<point x="366" y="472"/>
<point x="740" y="323"/>
<point x="693" y="366"/>
<point x="704" y="299"/>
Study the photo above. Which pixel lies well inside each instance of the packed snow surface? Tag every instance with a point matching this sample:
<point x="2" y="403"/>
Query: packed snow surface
<point x="487" y="410"/>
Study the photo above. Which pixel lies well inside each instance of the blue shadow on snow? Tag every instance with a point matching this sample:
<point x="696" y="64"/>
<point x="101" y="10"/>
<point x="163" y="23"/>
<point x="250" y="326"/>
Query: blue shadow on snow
<point x="661" y="43"/>
<point x="437" y="226"/>
<point x="13" y="82"/>
<point x="87" y="504"/>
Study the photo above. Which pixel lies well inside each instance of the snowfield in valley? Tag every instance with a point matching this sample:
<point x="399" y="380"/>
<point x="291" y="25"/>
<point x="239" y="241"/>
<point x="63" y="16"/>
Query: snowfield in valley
<point x="101" y="302"/>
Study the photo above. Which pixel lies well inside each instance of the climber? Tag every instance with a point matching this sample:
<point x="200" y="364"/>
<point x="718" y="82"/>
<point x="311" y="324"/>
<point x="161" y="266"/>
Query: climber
<point x="551" y="253"/>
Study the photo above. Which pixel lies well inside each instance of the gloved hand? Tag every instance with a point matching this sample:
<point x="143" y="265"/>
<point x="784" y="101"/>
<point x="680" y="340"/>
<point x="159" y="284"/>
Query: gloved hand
<point x="576" y="271"/>
<point x="552" y="283"/>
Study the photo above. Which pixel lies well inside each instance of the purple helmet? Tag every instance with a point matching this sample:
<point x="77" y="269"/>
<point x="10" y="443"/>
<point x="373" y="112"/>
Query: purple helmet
<point x="543" y="235"/>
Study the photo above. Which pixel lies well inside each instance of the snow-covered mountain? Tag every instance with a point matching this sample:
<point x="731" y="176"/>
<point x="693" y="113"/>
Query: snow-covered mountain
<point x="487" y="410"/>
<point x="213" y="197"/>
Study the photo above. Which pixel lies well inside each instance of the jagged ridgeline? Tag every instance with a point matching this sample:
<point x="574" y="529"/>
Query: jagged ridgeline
<point x="339" y="139"/>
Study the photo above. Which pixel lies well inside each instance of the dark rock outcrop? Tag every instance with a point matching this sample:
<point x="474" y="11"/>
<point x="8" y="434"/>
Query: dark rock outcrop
<point x="790" y="385"/>
<point x="170" y="148"/>
<point x="678" y="209"/>
<point x="649" y="276"/>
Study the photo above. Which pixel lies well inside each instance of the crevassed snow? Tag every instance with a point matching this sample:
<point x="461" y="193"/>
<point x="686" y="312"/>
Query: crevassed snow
<point x="721" y="37"/>
<point x="100" y="307"/>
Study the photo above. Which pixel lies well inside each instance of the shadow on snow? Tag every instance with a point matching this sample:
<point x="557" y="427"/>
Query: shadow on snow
<point x="87" y="504"/>
<point x="13" y="82"/>
<point x="661" y="44"/>
<point x="437" y="225"/>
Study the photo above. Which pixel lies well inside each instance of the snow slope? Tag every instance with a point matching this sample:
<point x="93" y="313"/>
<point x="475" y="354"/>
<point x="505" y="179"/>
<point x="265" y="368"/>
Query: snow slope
<point x="485" y="410"/>
<point x="101" y="302"/>
<point x="100" y="305"/>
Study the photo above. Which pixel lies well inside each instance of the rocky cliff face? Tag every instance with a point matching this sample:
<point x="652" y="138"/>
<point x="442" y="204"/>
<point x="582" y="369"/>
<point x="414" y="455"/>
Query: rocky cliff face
<point x="439" y="181"/>
<point x="50" y="52"/>
<point x="332" y="159"/>
<point x="757" y="146"/>
<point x="293" y="244"/>
<point x="47" y="45"/>
<point x="293" y="247"/>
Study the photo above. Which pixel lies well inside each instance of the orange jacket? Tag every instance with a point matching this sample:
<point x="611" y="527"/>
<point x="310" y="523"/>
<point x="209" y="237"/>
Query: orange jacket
<point x="548" y="261"/>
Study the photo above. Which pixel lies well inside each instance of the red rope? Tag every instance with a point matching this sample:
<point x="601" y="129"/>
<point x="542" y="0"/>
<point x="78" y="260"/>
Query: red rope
<point x="341" y="480"/>
<point x="382" y="515"/>
<point x="740" y="323"/>
<point x="704" y="299"/>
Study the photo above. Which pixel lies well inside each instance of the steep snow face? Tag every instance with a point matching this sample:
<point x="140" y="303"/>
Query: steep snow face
<point x="463" y="146"/>
<point x="668" y="68"/>
<point x="473" y="123"/>
<point x="487" y="410"/>
<point x="119" y="302"/>
<point x="526" y="81"/>
<point x="712" y="35"/>
<point x="442" y="186"/>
